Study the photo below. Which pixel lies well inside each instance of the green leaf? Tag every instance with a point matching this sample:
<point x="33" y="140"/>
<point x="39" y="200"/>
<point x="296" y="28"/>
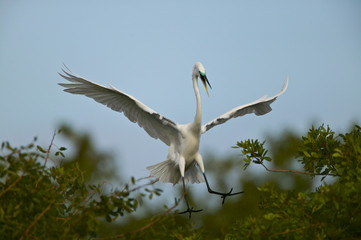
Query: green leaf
<point x="41" y="149"/>
<point x="271" y="216"/>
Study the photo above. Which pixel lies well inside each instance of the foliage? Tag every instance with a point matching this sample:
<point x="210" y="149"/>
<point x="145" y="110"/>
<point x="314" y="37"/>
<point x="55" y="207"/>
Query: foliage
<point x="253" y="151"/>
<point x="53" y="202"/>
<point x="44" y="194"/>
<point x="332" y="211"/>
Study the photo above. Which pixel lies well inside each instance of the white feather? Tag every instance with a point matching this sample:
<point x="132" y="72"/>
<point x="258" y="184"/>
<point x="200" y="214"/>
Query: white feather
<point x="183" y="140"/>
<point x="258" y="107"/>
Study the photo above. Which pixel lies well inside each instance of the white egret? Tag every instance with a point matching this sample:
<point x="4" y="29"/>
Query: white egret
<point x="182" y="139"/>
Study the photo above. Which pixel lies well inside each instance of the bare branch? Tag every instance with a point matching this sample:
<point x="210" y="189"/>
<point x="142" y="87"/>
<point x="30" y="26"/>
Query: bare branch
<point x="142" y="178"/>
<point x="47" y="156"/>
<point x="36" y="220"/>
<point x="12" y="185"/>
<point x="50" y="145"/>
<point x="299" y="172"/>
<point x="141" y="186"/>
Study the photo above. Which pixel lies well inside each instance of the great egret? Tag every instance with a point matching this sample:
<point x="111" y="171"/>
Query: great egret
<point x="182" y="139"/>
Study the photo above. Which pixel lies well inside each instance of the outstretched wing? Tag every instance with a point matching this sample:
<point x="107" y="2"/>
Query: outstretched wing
<point x="154" y="124"/>
<point x="258" y="107"/>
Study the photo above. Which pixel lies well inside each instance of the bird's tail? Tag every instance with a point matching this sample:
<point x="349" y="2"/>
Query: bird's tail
<point x="168" y="171"/>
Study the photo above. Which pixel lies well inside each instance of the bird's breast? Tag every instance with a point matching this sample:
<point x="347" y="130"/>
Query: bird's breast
<point x="189" y="147"/>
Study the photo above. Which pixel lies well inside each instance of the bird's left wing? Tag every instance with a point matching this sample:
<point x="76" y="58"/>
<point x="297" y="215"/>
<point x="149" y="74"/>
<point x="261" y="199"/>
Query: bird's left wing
<point x="258" y="107"/>
<point x="154" y="124"/>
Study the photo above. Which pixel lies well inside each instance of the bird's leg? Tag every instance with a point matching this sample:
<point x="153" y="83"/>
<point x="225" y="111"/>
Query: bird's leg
<point x="223" y="195"/>
<point x="189" y="209"/>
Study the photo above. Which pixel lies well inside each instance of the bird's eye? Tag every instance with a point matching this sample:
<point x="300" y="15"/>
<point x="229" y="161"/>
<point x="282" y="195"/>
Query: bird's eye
<point x="202" y="74"/>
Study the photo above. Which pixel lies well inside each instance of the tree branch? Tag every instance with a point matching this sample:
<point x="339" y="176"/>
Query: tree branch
<point x="36" y="220"/>
<point x="141" y="186"/>
<point x="299" y="172"/>
<point x="12" y="185"/>
<point x="46" y="157"/>
<point x="48" y="152"/>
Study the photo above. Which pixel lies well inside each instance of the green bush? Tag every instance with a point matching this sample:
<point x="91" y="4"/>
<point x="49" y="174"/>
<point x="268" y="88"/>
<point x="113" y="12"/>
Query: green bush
<point x="44" y="195"/>
<point x="43" y="202"/>
<point x="333" y="211"/>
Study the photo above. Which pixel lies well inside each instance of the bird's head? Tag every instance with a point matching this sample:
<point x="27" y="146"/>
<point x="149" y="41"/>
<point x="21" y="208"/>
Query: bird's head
<point x="199" y="71"/>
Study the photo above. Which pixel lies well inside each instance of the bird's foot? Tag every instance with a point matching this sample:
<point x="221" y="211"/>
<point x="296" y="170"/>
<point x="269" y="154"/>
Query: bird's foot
<point x="224" y="195"/>
<point x="190" y="211"/>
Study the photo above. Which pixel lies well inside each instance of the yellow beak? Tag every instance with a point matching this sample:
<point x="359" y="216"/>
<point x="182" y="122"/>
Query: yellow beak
<point x="205" y="86"/>
<point x="205" y="82"/>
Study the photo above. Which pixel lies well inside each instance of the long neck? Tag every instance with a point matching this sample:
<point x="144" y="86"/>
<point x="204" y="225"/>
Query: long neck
<point x="198" y="118"/>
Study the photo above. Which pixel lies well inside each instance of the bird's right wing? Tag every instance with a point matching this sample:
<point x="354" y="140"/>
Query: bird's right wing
<point x="258" y="107"/>
<point x="154" y="124"/>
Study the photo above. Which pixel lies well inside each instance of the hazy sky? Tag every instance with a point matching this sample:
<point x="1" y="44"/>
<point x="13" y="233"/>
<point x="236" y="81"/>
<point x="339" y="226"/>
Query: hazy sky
<point x="148" y="48"/>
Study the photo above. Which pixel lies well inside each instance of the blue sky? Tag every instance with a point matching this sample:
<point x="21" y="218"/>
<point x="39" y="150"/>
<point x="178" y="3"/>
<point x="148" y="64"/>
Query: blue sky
<point x="147" y="49"/>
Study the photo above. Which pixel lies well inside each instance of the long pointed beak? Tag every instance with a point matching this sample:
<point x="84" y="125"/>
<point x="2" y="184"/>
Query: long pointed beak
<point x="205" y="82"/>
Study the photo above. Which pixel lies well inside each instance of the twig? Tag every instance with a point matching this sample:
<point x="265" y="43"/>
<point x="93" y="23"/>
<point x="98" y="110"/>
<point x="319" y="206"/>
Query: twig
<point x="48" y="152"/>
<point x="141" y="186"/>
<point x="46" y="157"/>
<point x="36" y="220"/>
<point x="142" y="178"/>
<point x="12" y="185"/>
<point x="300" y="172"/>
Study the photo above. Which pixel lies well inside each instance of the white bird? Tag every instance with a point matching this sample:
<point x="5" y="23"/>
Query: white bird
<point x="182" y="139"/>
